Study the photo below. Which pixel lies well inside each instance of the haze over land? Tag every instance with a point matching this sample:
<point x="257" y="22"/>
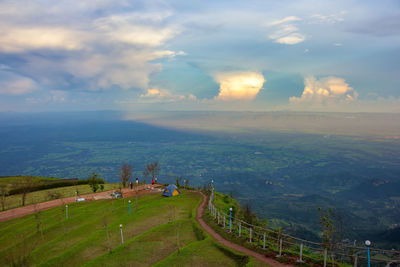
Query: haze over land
<point x="368" y="125"/>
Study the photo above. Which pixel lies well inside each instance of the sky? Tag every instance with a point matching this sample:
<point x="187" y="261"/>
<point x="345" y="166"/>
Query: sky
<point x="200" y="55"/>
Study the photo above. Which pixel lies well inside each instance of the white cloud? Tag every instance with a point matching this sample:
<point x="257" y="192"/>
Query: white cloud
<point x="291" y="39"/>
<point x="239" y="85"/>
<point x="126" y="29"/>
<point x="53" y="96"/>
<point x="95" y="53"/>
<point x="12" y="84"/>
<point x="155" y="95"/>
<point x="327" y="19"/>
<point x="325" y="91"/>
<point x="20" y="39"/>
<point x="284" y="20"/>
<point x="285" y="32"/>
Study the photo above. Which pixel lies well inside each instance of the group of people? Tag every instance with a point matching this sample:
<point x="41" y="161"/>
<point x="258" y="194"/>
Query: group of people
<point x="153" y="181"/>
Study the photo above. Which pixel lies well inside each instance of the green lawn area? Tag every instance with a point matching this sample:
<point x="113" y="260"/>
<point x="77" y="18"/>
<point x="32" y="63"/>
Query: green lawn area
<point x="162" y="232"/>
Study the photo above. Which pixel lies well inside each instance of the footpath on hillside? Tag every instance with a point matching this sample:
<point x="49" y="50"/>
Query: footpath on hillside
<point x="231" y="245"/>
<point x="29" y="209"/>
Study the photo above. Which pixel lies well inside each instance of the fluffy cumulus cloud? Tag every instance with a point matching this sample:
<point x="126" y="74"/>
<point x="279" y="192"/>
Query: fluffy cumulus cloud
<point x="325" y="91"/>
<point x="77" y="47"/>
<point x="239" y="85"/>
<point x="285" y="31"/>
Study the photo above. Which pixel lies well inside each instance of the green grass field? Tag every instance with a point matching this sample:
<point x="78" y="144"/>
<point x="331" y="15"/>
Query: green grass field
<point x="162" y="232"/>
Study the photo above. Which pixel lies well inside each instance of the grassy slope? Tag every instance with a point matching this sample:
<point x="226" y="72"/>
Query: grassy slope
<point x="152" y="235"/>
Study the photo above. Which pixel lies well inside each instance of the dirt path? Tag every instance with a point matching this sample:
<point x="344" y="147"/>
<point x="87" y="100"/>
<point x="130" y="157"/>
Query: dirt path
<point x="229" y="244"/>
<point x="22" y="211"/>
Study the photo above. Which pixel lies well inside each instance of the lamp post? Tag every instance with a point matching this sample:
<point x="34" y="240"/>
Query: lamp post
<point x="368" y="244"/>
<point x="230" y="220"/>
<point x="66" y="212"/>
<point x="122" y="236"/>
<point x="129" y="207"/>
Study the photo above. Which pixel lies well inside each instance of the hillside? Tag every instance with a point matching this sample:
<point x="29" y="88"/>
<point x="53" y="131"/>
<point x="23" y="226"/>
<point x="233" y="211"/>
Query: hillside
<point x="163" y="232"/>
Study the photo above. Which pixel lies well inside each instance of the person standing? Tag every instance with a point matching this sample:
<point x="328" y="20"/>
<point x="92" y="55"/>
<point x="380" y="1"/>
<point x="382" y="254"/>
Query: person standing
<point x="131" y="185"/>
<point x="156" y="180"/>
<point x="137" y="181"/>
<point x="152" y="181"/>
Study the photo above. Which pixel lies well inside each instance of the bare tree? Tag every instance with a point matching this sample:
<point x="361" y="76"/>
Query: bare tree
<point x="125" y="173"/>
<point x="152" y="169"/>
<point x="25" y="184"/>
<point x="4" y="192"/>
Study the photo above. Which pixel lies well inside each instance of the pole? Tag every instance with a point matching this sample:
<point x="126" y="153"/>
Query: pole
<point x="224" y="221"/>
<point x="122" y="236"/>
<point x="355" y="260"/>
<point x="129" y="207"/>
<point x="280" y="248"/>
<point x="368" y="243"/>
<point x="325" y="256"/>
<point x="301" y="254"/>
<point x="250" y="233"/>
<point x="230" y="220"/>
<point x="264" y="241"/>
<point x="66" y="212"/>
<point x="240" y="228"/>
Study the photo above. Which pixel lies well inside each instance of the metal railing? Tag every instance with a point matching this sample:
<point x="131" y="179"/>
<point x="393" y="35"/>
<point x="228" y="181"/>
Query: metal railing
<point x="262" y="238"/>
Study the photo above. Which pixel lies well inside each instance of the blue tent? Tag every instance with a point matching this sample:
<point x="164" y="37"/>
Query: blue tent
<point x="171" y="190"/>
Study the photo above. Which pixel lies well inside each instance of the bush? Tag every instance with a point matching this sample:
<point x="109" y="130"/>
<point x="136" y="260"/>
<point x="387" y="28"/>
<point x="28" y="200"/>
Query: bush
<point x="53" y="195"/>
<point x="57" y="184"/>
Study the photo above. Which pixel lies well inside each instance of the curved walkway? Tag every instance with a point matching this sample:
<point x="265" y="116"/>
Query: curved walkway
<point x="25" y="210"/>
<point x="231" y="245"/>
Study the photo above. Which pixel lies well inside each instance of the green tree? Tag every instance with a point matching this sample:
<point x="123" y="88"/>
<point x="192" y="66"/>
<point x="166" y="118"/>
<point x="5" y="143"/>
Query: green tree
<point x="94" y="182"/>
<point x="328" y="228"/>
<point x="178" y="181"/>
<point x="248" y="215"/>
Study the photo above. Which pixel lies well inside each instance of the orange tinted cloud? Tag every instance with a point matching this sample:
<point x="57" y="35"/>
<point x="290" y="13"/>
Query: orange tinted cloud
<point x="239" y="85"/>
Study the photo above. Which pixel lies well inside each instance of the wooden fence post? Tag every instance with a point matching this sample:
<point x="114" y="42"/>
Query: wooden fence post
<point x="264" y="241"/>
<point x="280" y="248"/>
<point x="301" y="254"/>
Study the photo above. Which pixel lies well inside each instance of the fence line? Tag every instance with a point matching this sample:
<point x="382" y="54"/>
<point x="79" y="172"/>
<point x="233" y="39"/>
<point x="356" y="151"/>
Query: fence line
<point x="264" y="238"/>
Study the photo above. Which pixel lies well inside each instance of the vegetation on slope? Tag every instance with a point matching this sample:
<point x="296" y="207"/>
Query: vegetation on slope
<point x="163" y="231"/>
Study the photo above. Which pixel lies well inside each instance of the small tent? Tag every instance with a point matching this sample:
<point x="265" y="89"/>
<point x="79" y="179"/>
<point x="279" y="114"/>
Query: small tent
<point x="171" y="190"/>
